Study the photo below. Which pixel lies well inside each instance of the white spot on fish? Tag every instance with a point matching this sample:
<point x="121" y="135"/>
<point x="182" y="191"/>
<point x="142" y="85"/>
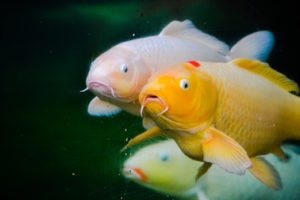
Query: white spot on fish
<point x="125" y="129"/>
<point x="73" y="174"/>
<point x="133" y="34"/>
<point x="126" y="139"/>
<point x="259" y="118"/>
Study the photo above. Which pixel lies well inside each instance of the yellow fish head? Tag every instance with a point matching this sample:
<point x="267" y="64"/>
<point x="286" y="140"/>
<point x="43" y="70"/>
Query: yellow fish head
<point x="118" y="74"/>
<point x="180" y="96"/>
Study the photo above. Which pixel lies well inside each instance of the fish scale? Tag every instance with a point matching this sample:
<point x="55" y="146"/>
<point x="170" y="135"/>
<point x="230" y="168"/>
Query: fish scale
<point x="245" y="110"/>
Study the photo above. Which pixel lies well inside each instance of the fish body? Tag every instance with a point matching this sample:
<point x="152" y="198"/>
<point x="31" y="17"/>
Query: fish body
<point x="165" y="161"/>
<point x="225" y="113"/>
<point x="117" y="76"/>
<point x="247" y="107"/>
<point x="253" y="110"/>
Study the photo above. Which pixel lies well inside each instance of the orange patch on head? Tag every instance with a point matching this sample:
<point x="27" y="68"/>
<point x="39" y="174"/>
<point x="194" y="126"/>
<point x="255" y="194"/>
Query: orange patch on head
<point x="194" y="63"/>
<point x="141" y="174"/>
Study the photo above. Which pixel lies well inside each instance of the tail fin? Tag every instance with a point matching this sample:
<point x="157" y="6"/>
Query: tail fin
<point x="256" y="46"/>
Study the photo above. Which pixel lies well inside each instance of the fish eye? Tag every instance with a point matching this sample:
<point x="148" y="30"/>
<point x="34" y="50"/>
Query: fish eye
<point x="124" y="68"/>
<point x="164" y="157"/>
<point x="184" y="84"/>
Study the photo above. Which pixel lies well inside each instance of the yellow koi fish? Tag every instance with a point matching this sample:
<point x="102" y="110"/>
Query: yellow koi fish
<point x="117" y="76"/>
<point x="224" y="114"/>
<point x="164" y="168"/>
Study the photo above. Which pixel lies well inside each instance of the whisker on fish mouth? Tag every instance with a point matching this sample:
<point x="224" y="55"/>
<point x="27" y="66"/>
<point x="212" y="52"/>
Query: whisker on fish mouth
<point x="84" y="90"/>
<point x="141" y="111"/>
<point x="112" y="92"/>
<point x="162" y="112"/>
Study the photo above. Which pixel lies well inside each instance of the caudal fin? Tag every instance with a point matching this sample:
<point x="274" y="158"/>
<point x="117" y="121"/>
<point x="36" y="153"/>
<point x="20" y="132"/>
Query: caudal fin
<point x="256" y="46"/>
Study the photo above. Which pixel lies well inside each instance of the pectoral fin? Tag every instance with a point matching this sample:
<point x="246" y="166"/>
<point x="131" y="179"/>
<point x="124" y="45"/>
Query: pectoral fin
<point x="101" y="108"/>
<point x="148" y="123"/>
<point x="225" y="152"/>
<point x="203" y="169"/>
<point x="266" y="173"/>
<point x="151" y="133"/>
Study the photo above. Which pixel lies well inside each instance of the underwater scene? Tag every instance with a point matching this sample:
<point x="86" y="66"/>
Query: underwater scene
<point x="151" y="100"/>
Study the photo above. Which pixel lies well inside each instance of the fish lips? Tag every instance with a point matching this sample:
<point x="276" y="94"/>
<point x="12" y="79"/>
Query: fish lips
<point x="134" y="173"/>
<point x="151" y="98"/>
<point x="101" y="88"/>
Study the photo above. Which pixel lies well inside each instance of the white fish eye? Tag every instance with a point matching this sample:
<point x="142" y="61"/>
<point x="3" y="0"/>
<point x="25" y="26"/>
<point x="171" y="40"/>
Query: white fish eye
<point x="164" y="157"/>
<point x="184" y="84"/>
<point x="124" y="68"/>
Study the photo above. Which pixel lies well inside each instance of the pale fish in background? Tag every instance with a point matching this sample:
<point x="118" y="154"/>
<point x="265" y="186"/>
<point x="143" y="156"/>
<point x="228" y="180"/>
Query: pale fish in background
<point x="224" y="114"/>
<point x="117" y="76"/>
<point x="164" y="168"/>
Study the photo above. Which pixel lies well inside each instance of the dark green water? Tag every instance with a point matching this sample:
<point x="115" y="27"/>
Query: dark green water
<point x="52" y="148"/>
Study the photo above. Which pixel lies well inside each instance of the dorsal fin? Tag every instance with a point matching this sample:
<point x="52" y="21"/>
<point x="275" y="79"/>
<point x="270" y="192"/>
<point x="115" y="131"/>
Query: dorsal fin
<point x="257" y="46"/>
<point x="263" y="69"/>
<point x="187" y="30"/>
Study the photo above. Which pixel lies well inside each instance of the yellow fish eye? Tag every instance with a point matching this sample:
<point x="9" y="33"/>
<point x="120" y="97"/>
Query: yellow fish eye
<point x="124" y="68"/>
<point x="184" y="84"/>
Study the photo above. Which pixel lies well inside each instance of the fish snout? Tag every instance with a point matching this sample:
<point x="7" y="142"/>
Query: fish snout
<point x="101" y="88"/>
<point x="134" y="173"/>
<point x="152" y="98"/>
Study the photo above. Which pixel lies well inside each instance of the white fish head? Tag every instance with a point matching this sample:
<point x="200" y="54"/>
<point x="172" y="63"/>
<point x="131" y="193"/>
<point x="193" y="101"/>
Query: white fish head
<point x="118" y="74"/>
<point x="162" y="167"/>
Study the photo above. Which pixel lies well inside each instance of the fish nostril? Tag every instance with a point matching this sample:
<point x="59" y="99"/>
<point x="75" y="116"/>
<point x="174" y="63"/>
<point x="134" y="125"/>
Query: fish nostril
<point x="153" y="96"/>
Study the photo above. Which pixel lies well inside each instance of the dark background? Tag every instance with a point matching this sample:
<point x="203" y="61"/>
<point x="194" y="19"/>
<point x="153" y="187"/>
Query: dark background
<point x="52" y="148"/>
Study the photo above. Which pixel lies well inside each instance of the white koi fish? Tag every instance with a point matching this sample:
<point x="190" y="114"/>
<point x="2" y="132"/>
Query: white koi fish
<point x="117" y="76"/>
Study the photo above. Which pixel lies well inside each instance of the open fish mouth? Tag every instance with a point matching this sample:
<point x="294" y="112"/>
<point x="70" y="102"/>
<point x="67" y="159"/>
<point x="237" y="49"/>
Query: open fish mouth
<point x="134" y="173"/>
<point x="104" y="88"/>
<point x="154" y="98"/>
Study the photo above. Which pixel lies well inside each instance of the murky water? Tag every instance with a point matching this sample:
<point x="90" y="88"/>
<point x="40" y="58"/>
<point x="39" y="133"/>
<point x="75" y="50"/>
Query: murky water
<point x="53" y="148"/>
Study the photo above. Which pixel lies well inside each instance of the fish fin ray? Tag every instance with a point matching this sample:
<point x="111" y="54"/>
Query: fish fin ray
<point x="266" y="173"/>
<point x="279" y="153"/>
<point x="187" y="30"/>
<point x="264" y="70"/>
<point x="220" y="149"/>
<point x="203" y="169"/>
<point x="257" y="45"/>
<point x="148" y="123"/>
<point x="100" y="108"/>
<point x="149" y="134"/>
